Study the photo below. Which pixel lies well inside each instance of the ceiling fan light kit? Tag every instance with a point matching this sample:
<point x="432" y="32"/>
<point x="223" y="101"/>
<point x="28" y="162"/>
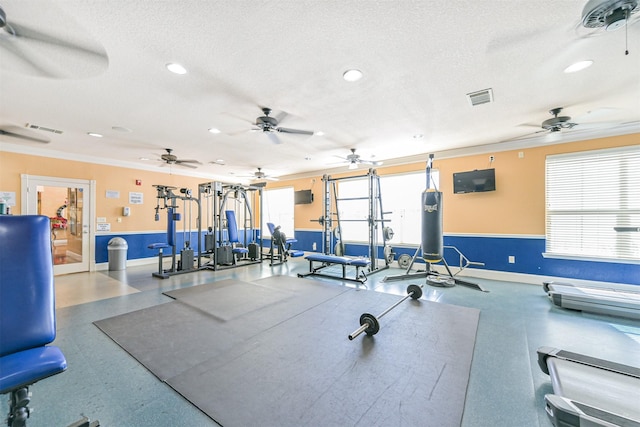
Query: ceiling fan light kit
<point x="557" y="123"/>
<point x="611" y="14"/>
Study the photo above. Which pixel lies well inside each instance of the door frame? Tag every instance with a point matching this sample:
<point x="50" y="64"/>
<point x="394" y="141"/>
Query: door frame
<point x="26" y="209"/>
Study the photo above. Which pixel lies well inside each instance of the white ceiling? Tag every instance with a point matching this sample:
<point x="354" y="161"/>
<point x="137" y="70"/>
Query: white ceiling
<point x="419" y="59"/>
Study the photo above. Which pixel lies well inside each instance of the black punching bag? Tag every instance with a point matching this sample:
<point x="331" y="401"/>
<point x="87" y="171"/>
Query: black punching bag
<point x="432" y="225"/>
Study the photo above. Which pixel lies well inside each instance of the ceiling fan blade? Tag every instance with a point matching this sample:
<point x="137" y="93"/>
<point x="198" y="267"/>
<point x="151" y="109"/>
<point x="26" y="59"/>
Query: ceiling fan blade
<point x="370" y="162"/>
<point x="188" y="161"/>
<point x="296" y="131"/>
<point x="21" y="62"/>
<point x="24" y="134"/>
<point x="57" y="57"/>
<point x="273" y="137"/>
<point x="281" y="116"/>
<point x="186" y="165"/>
<point x="26" y="33"/>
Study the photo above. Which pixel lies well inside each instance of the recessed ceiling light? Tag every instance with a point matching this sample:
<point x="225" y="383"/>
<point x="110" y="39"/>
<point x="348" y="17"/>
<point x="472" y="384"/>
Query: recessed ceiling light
<point x="176" y="68"/>
<point x="308" y="158"/>
<point x="578" y="66"/>
<point x="418" y="136"/>
<point x="319" y="133"/>
<point x="218" y="162"/>
<point x="97" y="135"/>
<point x="214" y="130"/>
<point x="352" y="75"/>
<point x="143" y="158"/>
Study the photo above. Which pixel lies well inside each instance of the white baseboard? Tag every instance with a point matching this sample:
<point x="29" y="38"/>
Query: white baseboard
<point x="102" y="266"/>
<point x="532" y="279"/>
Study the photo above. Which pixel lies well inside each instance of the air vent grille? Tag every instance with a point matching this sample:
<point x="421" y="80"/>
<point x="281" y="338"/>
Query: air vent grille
<point x="480" y="97"/>
<point x="44" y="128"/>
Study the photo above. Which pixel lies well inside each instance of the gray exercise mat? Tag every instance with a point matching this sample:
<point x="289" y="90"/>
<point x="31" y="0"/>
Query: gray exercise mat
<point x="214" y="298"/>
<point x="306" y="372"/>
<point x="290" y="363"/>
<point x="208" y="319"/>
<point x="169" y="338"/>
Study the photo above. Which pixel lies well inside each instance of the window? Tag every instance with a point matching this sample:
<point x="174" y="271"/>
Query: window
<point x="588" y="196"/>
<point x="401" y="195"/>
<point x="277" y="208"/>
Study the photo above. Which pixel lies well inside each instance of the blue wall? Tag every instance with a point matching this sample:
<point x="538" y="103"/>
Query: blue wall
<point x="494" y="252"/>
<point x="137" y="244"/>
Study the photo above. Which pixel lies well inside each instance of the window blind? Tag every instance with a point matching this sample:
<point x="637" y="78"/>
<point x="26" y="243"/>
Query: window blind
<point x="588" y="195"/>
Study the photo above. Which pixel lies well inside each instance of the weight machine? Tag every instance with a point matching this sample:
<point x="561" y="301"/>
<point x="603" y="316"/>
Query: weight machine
<point x="375" y="219"/>
<point x="226" y="244"/>
<point x="170" y="203"/>
<point x="432" y="245"/>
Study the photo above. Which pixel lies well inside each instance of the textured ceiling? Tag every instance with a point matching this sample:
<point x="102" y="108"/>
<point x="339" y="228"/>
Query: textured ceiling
<point x="419" y="59"/>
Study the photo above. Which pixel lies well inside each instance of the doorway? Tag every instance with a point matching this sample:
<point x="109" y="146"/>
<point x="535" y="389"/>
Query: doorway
<point x="69" y="204"/>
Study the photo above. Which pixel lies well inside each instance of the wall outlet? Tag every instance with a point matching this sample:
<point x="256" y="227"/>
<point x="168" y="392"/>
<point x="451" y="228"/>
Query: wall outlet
<point x="512" y="259"/>
<point x="313" y="247"/>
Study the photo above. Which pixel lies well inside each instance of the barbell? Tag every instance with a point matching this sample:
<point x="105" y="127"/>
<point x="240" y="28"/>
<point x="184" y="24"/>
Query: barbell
<point x="370" y="324"/>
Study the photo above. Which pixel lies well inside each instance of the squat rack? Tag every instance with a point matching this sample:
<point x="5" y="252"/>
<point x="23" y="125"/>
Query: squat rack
<point x="375" y="219"/>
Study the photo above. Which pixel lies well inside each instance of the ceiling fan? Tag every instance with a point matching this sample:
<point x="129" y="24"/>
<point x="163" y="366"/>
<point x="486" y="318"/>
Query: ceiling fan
<point x="557" y="123"/>
<point x="354" y="159"/>
<point x="261" y="175"/>
<point x="270" y="126"/>
<point x="171" y="159"/>
<point x="16" y="132"/>
<point x="65" y="50"/>
<point x="554" y="126"/>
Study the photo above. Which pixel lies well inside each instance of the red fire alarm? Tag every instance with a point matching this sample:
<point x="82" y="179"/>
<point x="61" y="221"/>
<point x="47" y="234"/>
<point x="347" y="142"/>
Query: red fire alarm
<point x="138" y="182"/>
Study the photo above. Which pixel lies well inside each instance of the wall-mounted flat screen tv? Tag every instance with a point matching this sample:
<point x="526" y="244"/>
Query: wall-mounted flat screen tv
<point x="303" y="197"/>
<point x="474" y="181"/>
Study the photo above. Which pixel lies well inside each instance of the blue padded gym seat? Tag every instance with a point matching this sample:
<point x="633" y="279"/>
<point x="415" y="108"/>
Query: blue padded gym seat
<point x="281" y="246"/>
<point x="27" y="310"/>
<point x="234" y="237"/>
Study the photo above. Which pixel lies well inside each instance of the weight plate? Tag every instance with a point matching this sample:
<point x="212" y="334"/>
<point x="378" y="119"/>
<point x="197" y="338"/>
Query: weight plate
<point x="339" y="249"/>
<point x="388" y="233"/>
<point x="388" y="254"/>
<point x="416" y="289"/>
<point x="370" y="319"/>
<point x="441" y="282"/>
<point x="404" y="260"/>
<point x="336" y="233"/>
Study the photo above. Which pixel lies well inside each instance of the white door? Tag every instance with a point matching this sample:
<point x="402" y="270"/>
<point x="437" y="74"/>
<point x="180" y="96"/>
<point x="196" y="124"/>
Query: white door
<point x="69" y="204"/>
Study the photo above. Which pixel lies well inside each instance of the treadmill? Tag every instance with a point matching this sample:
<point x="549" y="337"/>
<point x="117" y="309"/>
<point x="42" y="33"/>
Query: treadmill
<point x="590" y="392"/>
<point x="619" y="300"/>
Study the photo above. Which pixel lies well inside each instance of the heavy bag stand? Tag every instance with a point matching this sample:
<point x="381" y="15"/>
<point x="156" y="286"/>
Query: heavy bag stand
<point x="431" y="202"/>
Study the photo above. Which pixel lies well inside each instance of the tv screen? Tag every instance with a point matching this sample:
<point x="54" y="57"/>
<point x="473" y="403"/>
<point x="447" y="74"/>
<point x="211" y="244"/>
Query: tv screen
<point x="474" y="181"/>
<point x="303" y="197"/>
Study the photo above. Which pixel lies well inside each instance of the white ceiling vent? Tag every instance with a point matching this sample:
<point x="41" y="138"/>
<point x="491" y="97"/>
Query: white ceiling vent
<point x="480" y="97"/>
<point x="44" y="128"/>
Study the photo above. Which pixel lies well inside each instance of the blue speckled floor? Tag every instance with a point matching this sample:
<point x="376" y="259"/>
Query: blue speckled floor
<point x="506" y="387"/>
